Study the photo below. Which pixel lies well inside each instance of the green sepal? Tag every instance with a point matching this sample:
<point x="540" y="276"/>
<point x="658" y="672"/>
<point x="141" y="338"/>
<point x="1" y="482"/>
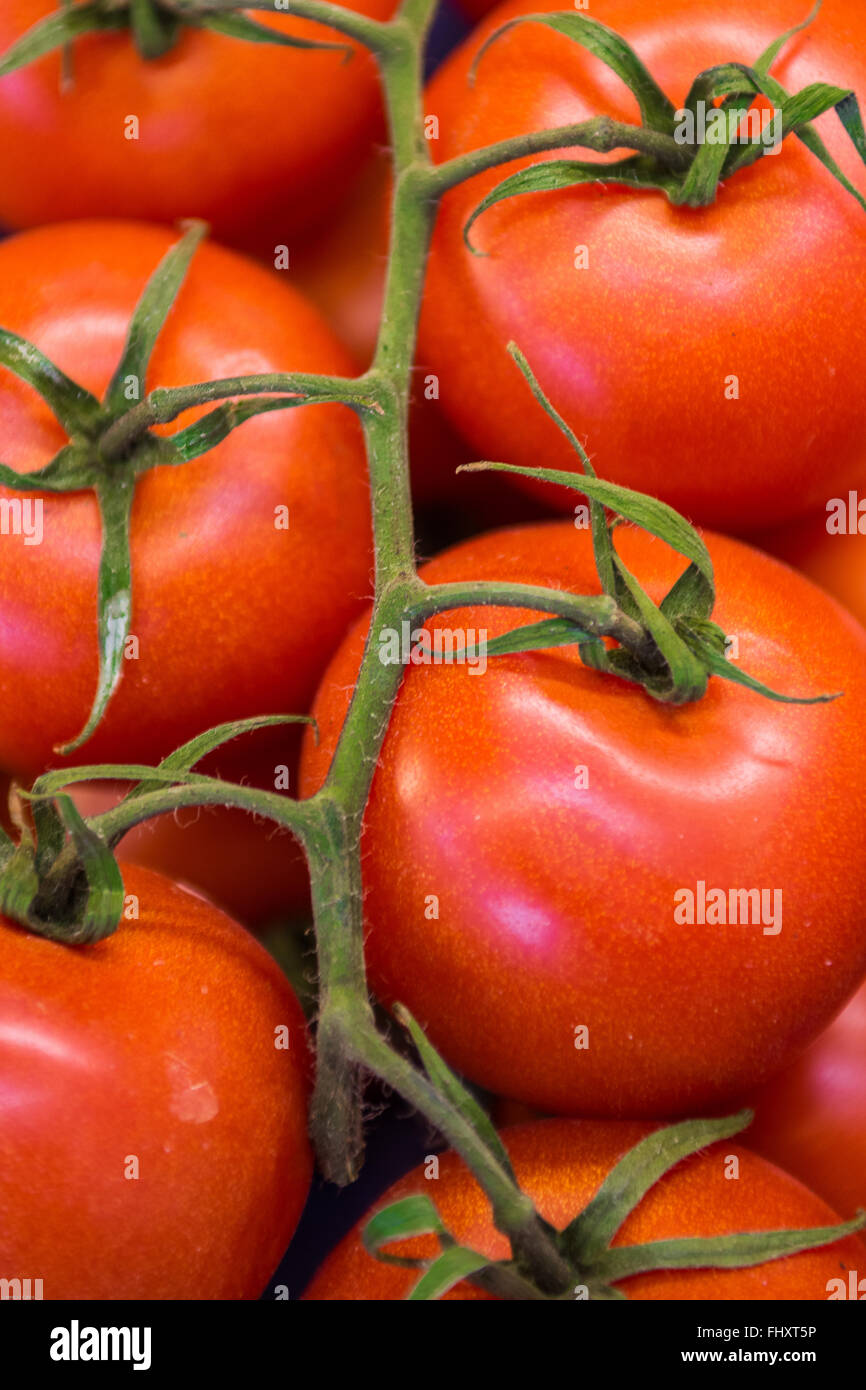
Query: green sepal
<point x="718" y="665"/>
<point x="451" y="1267"/>
<point x="602" y="544"/>
<point x="453" y="1089"/>
<point x="646" y="512"/>
<point x="408" y="1219"/>
<point x="19" y="881"/>
<point x="723" y="80"/>
<point x="701" y="182"/>
<point x="404" y="1220"/>
<point x="154" y="32"/>
<point x="587" y="1237"/>
<point x="686" y="677"/>
<point x="770" y="54"/>
<point x="71" y="470"/>
<point x="7" y="848"/>
<point x="178" y="764"/>
<point x="848" y="111"/>
<point x="737" y="1251"/>
<point x="551" y="175"/>
<point x="74" y="408"/>
<point x="238" y="26"/>
<point x="657" y="110"/>
<point x="536" y="637"/>
<point x="149" y="318"/>
<point x="115" y="496"/>
<point x="101" y="911"/>
<point x="209" y="431"/>
<point x="57" y="30"/>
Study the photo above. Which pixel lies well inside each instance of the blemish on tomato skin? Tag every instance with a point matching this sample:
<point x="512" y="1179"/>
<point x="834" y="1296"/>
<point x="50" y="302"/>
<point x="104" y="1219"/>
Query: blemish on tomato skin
<point x="191" y="1101"/>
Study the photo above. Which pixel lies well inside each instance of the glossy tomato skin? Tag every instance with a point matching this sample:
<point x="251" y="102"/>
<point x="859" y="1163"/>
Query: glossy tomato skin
<point x="639" y="350"/>
<point x="812" y="1118"/>
<point x="257" y="139"/>
<point x="561" y="1164"/>
<point x="529" y="829"/>
<point x="234" y="617"/>
<point x="156" y="1050"/>
<point x="836" y="561"/>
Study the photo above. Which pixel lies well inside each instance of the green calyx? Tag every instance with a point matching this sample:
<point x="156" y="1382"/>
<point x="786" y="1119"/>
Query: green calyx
<point x="591" y="1266"/>
<point x="111" y="441"/>
<point x="61" y="880"/>
<point x="156" y="27"/>
<point x="670" y="648"/>
<point x="684" y="154"/>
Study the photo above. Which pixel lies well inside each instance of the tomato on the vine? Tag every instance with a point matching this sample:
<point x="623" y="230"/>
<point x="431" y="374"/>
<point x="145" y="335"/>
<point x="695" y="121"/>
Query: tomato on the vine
<point x="560" y="1164"/>
<point x="247" y="564"/>
<point x="256" y="138"/>
<point x="153" y="1094"/>
<point x="711" y="357"/>
<point x="538" y="836"/>
<point x="812" y="1118"/>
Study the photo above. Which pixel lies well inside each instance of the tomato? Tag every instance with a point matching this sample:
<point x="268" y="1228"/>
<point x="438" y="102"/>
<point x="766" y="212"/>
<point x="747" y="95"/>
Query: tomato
<point x="836" y="561"/>
<point x="257" y="139"/>
<point x="247" y="866"/>
<point x="153" y="1138"/>
<point x="638" y="350"/>
<point x="812" y="1118"/>
<point x="233" y="616"/>
<point x="525" y="867"/>
<point x="561" y="1164"/>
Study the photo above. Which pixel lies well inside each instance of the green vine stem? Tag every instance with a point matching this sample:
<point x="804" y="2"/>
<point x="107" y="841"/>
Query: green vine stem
<point x="329" y="824"/>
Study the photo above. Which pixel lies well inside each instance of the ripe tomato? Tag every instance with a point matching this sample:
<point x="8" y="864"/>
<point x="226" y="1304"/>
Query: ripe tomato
<point x="835" y="561"/>
<point x="248" y="867"/>
<point x="153" y="1136"/>
<point x="561" y="1164"/>
<point x="812" y="1118"/>
<point x="233" y="616"/>
<point x="638" y="350"/>
<point x="255" y="138"/>
<point x="524" y="869"/>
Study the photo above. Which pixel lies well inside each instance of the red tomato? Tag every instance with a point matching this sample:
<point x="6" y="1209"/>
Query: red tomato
<point x="233" y="616"/>
<point x="247" y="866"/>
<point x="255" y="138"/>
<point x="524" y="869"/>
<point x="812" y="1118"/>
<point x="153" y="1141"/>
<point x="561" y="1165"/>
<point x="637" y="351"/>
<point x="835" y="561"/>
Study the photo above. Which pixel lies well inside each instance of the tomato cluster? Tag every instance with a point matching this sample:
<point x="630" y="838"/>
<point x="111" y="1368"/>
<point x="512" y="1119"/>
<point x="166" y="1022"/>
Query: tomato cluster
<point x="611" y="909"/>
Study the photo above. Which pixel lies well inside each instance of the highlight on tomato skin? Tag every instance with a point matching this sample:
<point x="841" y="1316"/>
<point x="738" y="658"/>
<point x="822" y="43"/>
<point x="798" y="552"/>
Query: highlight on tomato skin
<point x="153" y="1098"/>
<point x="562" y="969"/>
<point x="561" y="1164"/>
<point x="693" y="389"/>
